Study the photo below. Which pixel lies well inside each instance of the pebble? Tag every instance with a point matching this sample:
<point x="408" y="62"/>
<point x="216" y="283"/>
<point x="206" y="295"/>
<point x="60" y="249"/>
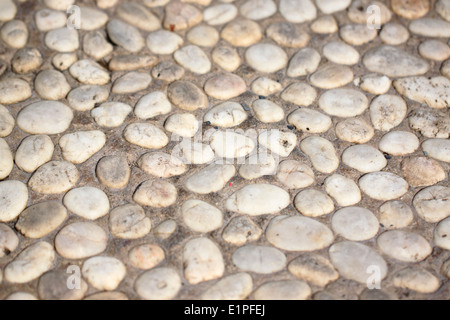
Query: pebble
<point x="241" y="33"/>
<point x="294" y="174"/>
<point x="331" y="76"/>
<point x="375" y="84"/>
<point x="8" y="10"/>
<point x="342" y="189"/>
<point x="410" y="9"/>
<point x="202" y="261"/>
<point x="438" y="149"/>
<point x="301" y="94"/>
<point x="332" y="6"/>
<point x="152" y="105"/>
<point x="14" y="90"/>
<point x="111" y="114"/>
<point x="92" y="19"/>
<point x="267" y="111"/>
<point x="430" y="123"/>
<point x="61" y="5"/>
<point x="442" y="7"/>
<point x="422" y="171"/>
<point x="265" y="87"/>
<point x="129" y="62"/>
<point x="230" y="145"/>
<point x="258" y="199"/>
<point x="80" y="240"/>
<point x="226" y="57"/>
<point x="364" y="158"/>
<point x="87" y="202"/>
<point x="202" y="35"/>
<point x="325" y="24"/>
<point x="84" y="98"/>
<point x="387" y="112"/>
<point x="26" y="60"/>
<point x="89" y="72"/>
<point x="344" y="103"/>
<point x="15" y="34"/>
<point x="399" y="143"/>
<point x="138" y="16"/>
<point x="129" y="222"/>
<point x="259" y="259"/>
<point x="62" y="40"/>
<point x="31" y="263"/>
<point x="54" y="177"/>
<point x="161" y="165"/>
<point x="63" y="61"/>
<point x="131" y="83"/>
<point x="361" y="12"/>
<point x="225" y="86"/>
<point x="33" y="152"/>
<point x="258" y="9"/>
<point x="314" y="269"/>
<point x="395" y="215"/>
<point x="8" y="240"/>
<point x="168" y="71"/>
<point x="234" y="287"/>
<point x="383" y="185"/>
<point x="283" y="290"/>
<point x="211" y="179"/>
<point x="353" y="259"/>
<point x="288" y="35"/>
<point x="53" y="285"/>
<point x="404" y="246"/>
<point x="40" y="219"/>
<point x="165" y="229"/>
<point x="158" y="284"/>
<point x="266" y="57"/>
<point x="105" y="4"/>
<point x="321" y="152"/>
<point x="441" y="233"/>
<point x="104" y="273"/>
<point x="313" y="203"/>
<point x="146" y="256"/>
<point x="257" y="166"/>
<point x="341" y="53"/>
<point x="125" y="35"/>
<point x="194" y="152"/>
<point x="357" y="34"/>
<point x="21" y="296"/>
<point x="394" y="34"/>
<point x="278" y="142"/>
<point x="431" y="203"/>
<point x="297" y="11"/>
<point x="220" y="14"/>
<point x="355" y="224"/>
<point x="180" y="16"/>
<point x="226" y="115"/>
<point x="96" y="46"/>
<point x="113" y="172"/>
<point x="6" y="159"/>
<point x="434" y="50"/>
<point x="416" y="279"/>
<point x="164" y="42"/>
<point x="156" y="194"/>
<point x="78" y="147"/>
<point x="434" y="92"/>
<point x="200" y="216"/>
<point x="394" y="62"/>
<point x="309" y="120"/>
<point x="47" y="19"/>
<point x="355" y="130"/>
<point x="430" y="27"/>
<point x="187" y="96"/>
<point x="241" y="230"/>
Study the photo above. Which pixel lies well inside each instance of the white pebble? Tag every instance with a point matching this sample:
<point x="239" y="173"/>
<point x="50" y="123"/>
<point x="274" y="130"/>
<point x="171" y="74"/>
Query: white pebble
<point x="104" y="273"/>
<point x="87" y="202"/>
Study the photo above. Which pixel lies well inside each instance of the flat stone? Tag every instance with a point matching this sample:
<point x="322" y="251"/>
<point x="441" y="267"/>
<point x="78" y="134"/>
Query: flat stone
<point x="187" y="96"/>
<point x="226" y="115"/>
<point x="299" y="93"/>
<point x="15" y="34"/>
<point x="180" y="16"/>
<point x="165" y="229"/>
<point x="41" y="219"/>
<point x="230" y="145"/>
<point x="152" y="105"/>
<point x="344" y="103"/>
<point x="87" y="202"/>
<point x="416" y="279"/>
<point x="54" y="177"/>
<point x="331" y="6"/>
<point x="278" y="142"/>
<point x="430" y="27"/>
<point x="89" y="72"/>
<point x="111" y="114"/>
<point x="130" y="62"/>
<point x="225" y="86"/>
<point x="78" y="147"/>
<point x="355" y="130"/>
<point x="314" y="269"/>
<point x="321" y="152"/>
<point x="434" y="50"/>
<point x="309" y="120"/>
<point x="267" y="111"/>
<point x="342" y="189"/>
<point x="63" y="61"/>
<point x="211" y="179"/>
<point x="288" y="35"/>
<point x="9" y="240"/>
<point x="113" y="172"/>
<point x="259" y="259"/>
<point x="395" y="215"/>
<point x="241" y="33"/>
<point x="31" y="263"/>
<point x="226" y="57"/>
<point x="325" y="24"/>
<point x="431" y="203"/>
<point x="387" y="112"/>
<point x="441" y="233"/>
<point x="430" y="123"/>
<point x="442" y="7"/>
<point x="383" y="185"/>
<point x="200" y="216"/>
<point x="202" y="35"/>
<point x="364" y="158"/>
<point x="156" y="194"/>
<point x="283" y="290"/>
<point x="131" y="83"/>
<point x="164" y="42"/>
<point x="313" y="203"/>
<point x="125" y="35"/>
<point x="202" y="261"/>
<point x="394" y="33"/>
<point x="145" y="135"/>
<point x="26" y="60"/>
<point x="129" y="222"/>
<point x="53" y="285"/>
<point x="138" y="16"/>
<point x="146" y="256"/>
<point x="257" y="166"/>
<point x="241" y="230"/>
<point x="62" y="40"/>
<point x="438" y="149"/>
<point x="161" y="165"/>
<point x="14" y="90"/>
<point x="194" y="152"/>
<point x="404" y="246"/>
<point x="331" y="76"/>
<point x="104" y="273"/>
<point x="422" y="171"/>
<point x="295" y="175"/>
<point x="234" y="287"/>
<point x="434" y="92"/>
<point x="219" y="14"/>
<point x="297" y="11"/>
<point x="357" y="34"/>
<point x="265" y="87"/>
<point x="158" y="284"/>
<point x="14" y="199"/>
<point x="85" y="98"/>
<point x="341" y="53"/>
<point x="355" y="224"/>
<point x="6" y="159"/>
<point x="258" y="199"/>
<point x="168" y="71"/>
<point x="8" y="10"/>
<point x="266" y="57"/>
<point x="258" y="9"/>
<point x="47" y="19"/>
<point x="410" y="9"/>
<point x="399" y="143"/>
<point x="92" y="18"/>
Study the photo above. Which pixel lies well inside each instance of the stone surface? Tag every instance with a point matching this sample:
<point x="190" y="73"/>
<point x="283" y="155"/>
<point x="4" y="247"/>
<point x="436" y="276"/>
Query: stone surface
<point x="422" y="171"/>
<point x="129" y="222"/>
<point x="441" y="234"/>
<point x="314" y="269"/>
<point x="394" y="34"/>
<point x="241" y="33"/>
<point x="54" y="177"/>
<point x="357" y="34"/>
<point x="182" y="124"/>
<point x="6" y="159"/>
<point x="53" y="286"/>
<point x="434" y="92"/>
<point x="158" y="284"/>
<point x="259" y="259"/>
<point x="89" y="72"/>
<point x="225" y="86"/>
<point x="113" y="172"/>
<point x="331" y="6"/>
<point x="211" y="179"/>
<point x="375" y="84"/>
<point x="84" y="98"/>
<point x="299" y="93"/>
<point x="355" y="130"/>
<point x="8" y="240"/>
<point x="131" y="83"/>
<point x="226" y="57"/>
<point x="229" y="145"/>
<point x="161" y="165"/>
<point x="341" y="53"/>
<point x="383" y="185"/>
<point x="342" y="189"/>
<point x="395" y="215"/>
<point x="13" y="199"/>
<point x="278" y="142"/>
<point x="234" y="287"/>
<point x="404" y="246"/>
<point x="241" y="230"/>
<point x="430" y="27"/>
<point x="304" y="62"/>
<point x="87" y="202"/>
<point x="321" y="152"/>
<point x="219" y="14"/>
<point x="146" y="256"/>
<point x="310" y="120"/>
<point x="125" y="35"/>
<point x="431" y="203"/>
<point x="410" y="9"/>
<point x="180" y="16"/>
<point x="202" y="35"/>
<point x="267" y="111"/>
<point x="387" y="112"/>
<point x="156" y="194"/>
<point x="283" y="290"/>
<point x="193" y="58"/>
<point x="258" y="9"/>
<point x="355" y="223"/>
<point x="364" y="158"/>
<point x="313" y="203"/>
<point x="62" y="40"/>
<point x="14" y="90"/>
<point x="416" y="279"/>
<point x="104" y="273"/>
<point x="331" y="76"/>
<point x="399" y="143"/>
<point x="438" y="149"/>
<point x="266" y="58"/>
<point x="6" y="122"/>
<point x="138" y="16"/>
<point x="200" y="216"/>
<point x="344" y="103"/>
<point x="288" y="35"/>
<point x="78" y="147"/>
<point x="295" y="175"/>
<point x="226" y="115"/>
<point x="146" y="135"/>
<point x="15" y="34"/>
<point x="430" y="123"/>
<point x="187" y="96"/>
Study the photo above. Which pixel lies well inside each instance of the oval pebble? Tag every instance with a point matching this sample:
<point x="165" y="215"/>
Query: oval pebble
<point x="395" y="215"/>
<point x="267" y="111"/>
<point x="158" y="284"/>
<point x="161" y="165"/>
<point x="259" y="259"/>
<point x="331" y="76"/>
<point x="343" y="103"/>
<point x="14" y="90"/>
<point x="342" y="189"/>
<point x="182" y="124"/>
<point x="231" y="145"/>
<point x="13" y="199"/>
<point x="226" y="57"/>
<point x="258" y="9"/>
<point x="278" y="142"/>
<point x="152" y="105"/>
<point x="226" y="115"/>
<point x="234" y="287"/>
<point x="288" y="35"/>
<point x="404" y="246"/>
<point x="131" y="83"/>
<point x="62" y="40"/>
<point x="431" y="203"/>
<point x="321" y="152"/>
<point x="299" y="93"/>
<point x="422" y="171"/>
<point x="194" y="152"/>
<point x="298" y="11"/>
<point x="54" y="177"/>
<point x="78" y="147"/>
<point x="295" y="175"/>
<point x="203" y="36"/>
<point x="129" y="222"/>
<point x="258" y="165"/>
<point x="241" y="230"/>
<point x="355" y="223"/>
<point x="8" y="240"/>
<point x="399" y="143"/>
<point x="181" y="16"/>
<point x="304" y="62"/>
<point x="146" y="135"/>
<point x="313" y="203"/>
<point x="193" y="58"/>
<point x="165" y="229"/>
<point x="51" y="85"/>
<point x="364" y="158"/>
<point x="125" y="35"/>
<point x="89" y="72"/>
<point x="84" y="98"/>
<point x="331" y="6"/>
<point x="383" y="185"/>
<point x="53" y="285"/>
<point x="416" y="279"/>
<point x="104" y="273"/>
<point x="225" y="86"/>
<point x="325" y="24"/>
<point x="15" y="34"/>
<point x="146" y="256"/>
<point x="241" y="33"/>
<point x="211" y="179"/>
<point x="87" y="202"/>
<point x="355" y="130"/>
<point x="394" y="33"/>
<point x="438" y="149"/>
<point x="156" y="194"/>
<point x="265" y="87"/>
<point x="266" y="57"/>
<point x="430" y="27"/>
<point x="113" y="172"/>
<point x="387" y="112"/>
<point x="313" y="268"/>
<point x="187" y="96"/>
<point x="441" y="233"/>
<point x="164" y="42"/>
<point x="138" y="16"/>
<point x="341" y="53"/>
<point x="201" y="216"/>
<point x="219" y="14"/>
<point x="283" y="290"/>
<point x="6" y="159"/>
<point x="375" y="84"/>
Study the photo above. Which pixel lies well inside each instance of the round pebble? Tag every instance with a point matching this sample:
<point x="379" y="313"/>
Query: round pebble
<point x="187" y="96"/>
<point x="156" y="194"/>
<point x="87" y="202"/>
<point x="145" y="135"/>
<point x="241" y="33"/>
<point x="47" y="19"/>
<point x="104" y="273"/>
<point x="343" y="103"/>
<point x="194" y="152"/>
<point x="300" y="93"/>
<point x="410" y="9"/>
<point x="164" y="42"/>
<point x="341" y="53"/>
<point x="113" y="172"/>
<point x="266" y="57"/>
<point x="146" y="256"/>
<point x="182" y="124"/>
<point x="438" y="149"/>
<point x="430" y="123"/>
<point x="226" y="57"/>
<point x="331" y="76"/>
<point x="158" y="284"/>
<point x="259" y="259"/>
<point x="325" y="24"/>
<point x="355" y="223"/>
<point x="298" y="11"/>
<point x="395" y="215"/>
<point x="399" y="143"/>
<point x="168" y="71"/>
<point x="241" y="230"/>
<point x="53" y="285"/>
<point x="258" y="9"/>
<point x="394" y="34"/>
<point x="225" y="86"/>
<point x="383" y="185"/>
<point x="129" y="222"/>
<point x="200" y="216"/>
<point x="342" y="189"/>
<point x="152" y="105"/>
<point x="219" y="14"/>
<point x="13" y="199"/>
<point x="364" y="158"/>
<point x="131" y="82"/>
<point x="89" y="72"/>
<point x="441" y="233"/>
<point x="283" y="290"/>
<point x="84" y="98"/>
<point x="321" y="152"/>
<point x="258" y="165"/>
<point x="125" y="35"/>
<point x="416" y="279"/>
<point x="375" y="84"/>
<point x="355" y="130"/>
<point x="180" y="16"/>
<point x="15" y="34"/>
<point x="387" y="112"/>
<point x="295" y="175"/>
<point x="267" y="111"/>
<point x="309" y="120"/>
<point x="138" y="16"/>
<point x="229" y="145"/>
<point x="204" y="36"/>
<point x="211" y="179"/>
<point x="305" y="61"/>
<point x="193" y="58"/>
<point x="54" y="177"/>
<point x="62" y="40"/>
<point x="14" y="90"/>
<point x="434" y="50"/>
<point x="234" y="287"/>
<point x="313" y="203"/>
<point x="357" y="34"/>
<point x="430" y="203"/>
<point x="288" y="35"/>
<point x="404" y="246"/>
<point x="430" y="27"/>
<point x="8" y="10"/>
<point x="331" y="6"/>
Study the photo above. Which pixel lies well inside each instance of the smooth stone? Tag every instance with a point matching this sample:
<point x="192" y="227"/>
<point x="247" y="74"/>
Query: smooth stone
<point x="202" y="261"/>
<point x="299" y="93"/>
<point x="257" y="166"/>
<point x="200" y="216"/>
<point x="288" y="35"/>
<point x="314" y="269"/>
<point x="395" y="215"/>
<point x="364" y="158"/>
<point x="130" y="62"/>
<point x="309" y="120"/>
<point x="357" y="34"/>
<point x="342" y="189"/>
<point x="164" y="42"/>
<point x="182" y="124"/>
<point x="294" y="174"/>
<point x="283" y="290"/>
<point x="158" y="284"/>
<point x="54" y="177"/>
<point x="234" y="287"/>
<point x="138" y="16"/>
<point x="53" y="286"/>
<point x="313" y="203"/>
<point x="431" y="203"/>
<point x="430" y="123"/>
<point x="394" y="33"/>
<point x="344" y="103"/>
<point x="340" y="53"/>
<point x="266" y="57"/>
<point x="125" y="35"/>
<point x="241" y="230"/>
<point x="325" y="24"/>
<point x="433" y="92"/>
<point x="230" y="145"/>
<point x="394" y="62"/>
<point x="441" y="233"/>
<point x="332" y="6"/>
<point x="355" y="130"/>
<point x="355" y="224"/>
<point x="63" y="61"/>
<point x="152" y="105"/>
<point x="298" y="11"/>
<point x="85" y="98"/>
<point x="181" y="16"/>
<point x="361" y="11"/>
<point x="156" y="194"/>
<point x="26" y="60"/>
<point x="111" y="114"/>
<point x="168" y="71"/>
<point x="430" y="27"/>
<point x="387" y="112"/>
<point x="321" y="152"/>
<point x="9" y="240"/>
<point x="161" y="165"/>
<point x="404" y="246"/>
<point x="78" y="147"/>
<point x="8" y="10"/>
<point x="106" y="4"/>
<point x="15" y="34"/>
<point x="21" y="296"/>
<point x="14" y="90"/>
<point x="383" y="185"/>
<point x="145" y="135"/>
<point x="267" y="111"/>
<point x="211" y="179"/>
<point x="87" y="202"/>
<point x="31" y="263"/>
<point x="442" y="7"/>
<point x="241" y="33"/>
<point x="399" y="143"/>
<point x="13" y="199"/>
<point x="92" y="18"/>
<point x="89" y="72"/>
<point x="259" y="259"/>
<point x="416" y="279"/>
<point x="410" y="9"/>
<point x="41" y="219"/>
<point x="62" y="40"/>
<point x="194" y="152"/>
<point x="113" y="172"/>
<point x="104" y="273"/>
<point x="226" y="57"/>
<point x="434" y="50"/>
<point x="258" y="9"/>
<point x="265" y="87"/>
<point x="375" y="84"/>
<point x="203" y="36"/>
<point x="165" y="229"/>
<point x="129" y="222"/>
<point x="422" y="171"/>
<point x="146" y="256"/>
<point x="187" y="96"/>
<point x="131" y="83"/>
<point x="61" y="5"/>
<point x="258" y="199"/>
<point x="96" y="46"/>
<point x="225" y="86"/>
<point x="331" y="76"/>
<point x="438" y="149"/>
<point x="353" y="259"/>
<point x="47" y="19"/>
<point x="278" y="142"/>
<point x="220" y="14"/>
<point x="6" y="159"/>
<point x="226" y="115"/>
